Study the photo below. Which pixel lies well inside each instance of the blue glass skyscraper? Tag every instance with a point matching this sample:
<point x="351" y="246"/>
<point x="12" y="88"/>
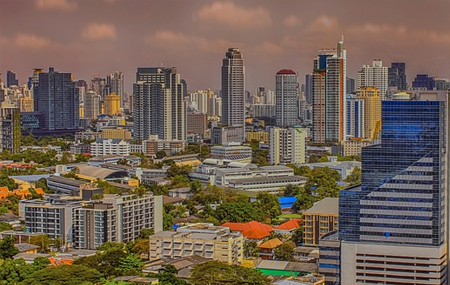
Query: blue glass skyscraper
<point x="397" y="219"/>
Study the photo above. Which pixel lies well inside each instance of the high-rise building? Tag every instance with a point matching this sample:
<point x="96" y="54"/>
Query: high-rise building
<point x="197" y="123"/>
<point x="397" y="75"/>
<point x="233" y="91"/>
<point x="308" y="86"/>
<point x="286" y="96"/>
<point x="112" y="104"/>
<point x="375" y="75"/>
<point x="158" y="104"/>
<point x="91" y="105"/>
<point x="98" y="85"/>
<point x="214" y="104"/>
<point x="287" y="145"/>
<point x="10" y="133"/>
<point x="199" y="101"/>
<point x="350" y="85"/>
<point x="115" y="81"/>
<point x="372" y="111"/>
<point x="355" y="117"/>
<point x="11" y="79"/>
<point x="423" y="82"/>
<point x="56" y="99"/>
<point x="394" y="227"/>
<point x="328" y="95"/>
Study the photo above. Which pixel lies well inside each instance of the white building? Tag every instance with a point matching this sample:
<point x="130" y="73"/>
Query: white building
<point x="232" y="152"/>
<point x="375" y="75"/>
<point x="103" y="147"/>
<point x="287" y="145"/>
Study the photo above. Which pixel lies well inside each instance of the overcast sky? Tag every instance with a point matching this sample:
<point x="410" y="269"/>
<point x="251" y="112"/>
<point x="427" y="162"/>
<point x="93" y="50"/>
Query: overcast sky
<point x="97" y="37"/>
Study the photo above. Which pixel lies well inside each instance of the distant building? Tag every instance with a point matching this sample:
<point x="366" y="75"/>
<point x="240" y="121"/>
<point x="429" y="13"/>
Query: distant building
<point x="11" y="79"/>
<point x="197" y="123"/>
<point x="103" y="147"/>
<point x="56" y="99"/>
<point x="10" y="131"/>
<point x="320" y="219"/>
<point x="287" y="145"/>
<point x="91" y="105"/>
<point x="233" y="93"/>
<point x="286" y="96"/>
<point x="116" y="133"/>
<point x="397" y="76"/>
<point x="112" y="104"/>
<point x="232" y="152"/>
<point x="353" y="146"/>
<point x="423" y="82"/>
<point x="261" y="136"/>
<point x="115" y="81"/>
<point x="206" y="240"/>
<point x="375" y="75"/>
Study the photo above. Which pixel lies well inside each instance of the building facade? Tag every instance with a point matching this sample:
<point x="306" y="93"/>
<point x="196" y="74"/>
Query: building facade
<point x="394" y="226"/>
<point x="10" y="128"/>
<point x="158" y="104"/>
<point x="287" y="145"/>
<point x="206" y="240"/>
<point x="328" y="95"/>
<point x="102" y="147"/>
<point x="233" y="91"/>
<point x="56" y="99"/>
<point x="375" y="75"/>
<point x="397" y="76"/>
<point x="286" y="96"/>
<point x="320" y="219"/>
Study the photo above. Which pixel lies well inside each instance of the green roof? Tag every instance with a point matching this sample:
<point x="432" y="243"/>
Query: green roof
<point x="278" y="272"/>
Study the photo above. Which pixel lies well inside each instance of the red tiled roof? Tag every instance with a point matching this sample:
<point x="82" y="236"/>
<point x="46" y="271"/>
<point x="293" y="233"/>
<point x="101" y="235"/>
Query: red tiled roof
<point x="289" y="225"/>
<point x="256" y="233"/>
<point x="286" y="71"/>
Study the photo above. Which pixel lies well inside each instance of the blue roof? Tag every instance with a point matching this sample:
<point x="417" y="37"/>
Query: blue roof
<point x="341" y="183"/>
<point x="285" y="200"/>
<point x="31" y="178"/>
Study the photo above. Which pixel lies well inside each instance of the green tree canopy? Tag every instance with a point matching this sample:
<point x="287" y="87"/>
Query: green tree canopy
<point x="7" y="248"/>
<point x="239" y="212"/>
<point x="217" y="273"/>
<point x="64" y="274"/>
<point x="355" y="177"/>
<point x="285" y="251"/>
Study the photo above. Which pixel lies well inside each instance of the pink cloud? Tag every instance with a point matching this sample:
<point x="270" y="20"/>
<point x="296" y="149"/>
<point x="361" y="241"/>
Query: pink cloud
<point x="292" y="21"/>
<point x="61" y="5"/>
<point x="235" y="16"/>
<point x="99" y="31"/>
<point x="30" y="41"/>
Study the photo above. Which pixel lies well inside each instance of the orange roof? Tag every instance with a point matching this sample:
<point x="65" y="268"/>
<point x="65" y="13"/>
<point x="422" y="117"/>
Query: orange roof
<point x="4" y="189"/>
<point x="270" y="244"/>
<point x="40" y="191"/>
<point x="290" y="225"/>
<point x="252" y="230"/>
<point x="60" y="261"/>
<point x="256" y="233"/>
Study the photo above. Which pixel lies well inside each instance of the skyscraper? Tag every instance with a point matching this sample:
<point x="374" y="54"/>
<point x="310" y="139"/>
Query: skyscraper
<point x="233" y="91"/>
<point x="397" y="75"/>
<point x="57" y="101"/>
<point x="91" y="105"/>
<point x="115" y="81"/>
<point x="423" y="82"/>
<point x="158" y="104"/>
<point x="11" y="79"/>
<point x="375" y="75"/>
<point x="328" y="92"/>
<point x="394" y="226"/>
<point x="10" y="134"/>
<point x="372" y="111"/>
<point x="286" y="96"/>
<point x="287" y="145"/>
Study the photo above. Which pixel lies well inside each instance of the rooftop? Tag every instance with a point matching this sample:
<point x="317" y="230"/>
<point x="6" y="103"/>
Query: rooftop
<point x="327" y="205"/>
<point x="290" y="225"/>
<point x="98" y="172"/>
<point x="271" y="243"/>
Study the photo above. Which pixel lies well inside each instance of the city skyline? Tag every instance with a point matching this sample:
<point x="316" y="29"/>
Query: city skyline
<point x="104" y="39"/>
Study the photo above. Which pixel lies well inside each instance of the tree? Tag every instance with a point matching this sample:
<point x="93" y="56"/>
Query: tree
<point x="196" y="186"/>
<point x="146" y="233"/>
<point x="217" y="273"/>
<point x="239" y="212"/>
<point x="42" y="183"/>
<point x="5" y="226"/>
<point x="251" y="249"/>
<point x="43" y="241"/>
<point x="268" y="204"/>
<point x="122" y="161"/>
<point x="297" y="236"/>
<point x="64" y="274"/>
<point x="160" y="154"/>
<point x="355" y="177"/>
<point x="168" y="221"/>
<point x="131" y="264"/>
<point x="7" y="248"/>
<point x="284" y="251"/>
<point x="8" y="182"/>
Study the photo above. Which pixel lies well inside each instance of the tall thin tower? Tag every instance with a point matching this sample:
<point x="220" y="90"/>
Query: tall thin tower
<point x="328" y="90"/>
<point x="233" y="91"/>
<point x="286" y="96"/>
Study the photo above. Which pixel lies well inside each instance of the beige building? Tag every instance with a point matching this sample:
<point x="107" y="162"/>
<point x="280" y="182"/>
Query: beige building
<point x="320" y="219"/>
<point x="112" y="104"/>
<point x="354" y="146"/>
<point x="287" y="145"/>
<point x="381" y="263"/>
<point x="197" y="123"/>
<point x="206" y="240"/>
<point x="260" y="136"/>
<point x="116" y="133"/>
<point x="372" y="111"/>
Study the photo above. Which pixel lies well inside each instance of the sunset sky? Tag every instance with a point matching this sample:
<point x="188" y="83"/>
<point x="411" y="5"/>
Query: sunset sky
<point x="96" y="37"/>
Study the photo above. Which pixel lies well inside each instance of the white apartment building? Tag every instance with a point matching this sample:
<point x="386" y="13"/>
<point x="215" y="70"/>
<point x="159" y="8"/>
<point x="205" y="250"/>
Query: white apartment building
<point x="375" y="75"/>
<point x="232" y="152"/>
<point x="102" y="147"/>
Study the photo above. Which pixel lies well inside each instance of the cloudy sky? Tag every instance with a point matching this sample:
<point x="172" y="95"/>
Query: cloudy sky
<point x="96" y="37"/>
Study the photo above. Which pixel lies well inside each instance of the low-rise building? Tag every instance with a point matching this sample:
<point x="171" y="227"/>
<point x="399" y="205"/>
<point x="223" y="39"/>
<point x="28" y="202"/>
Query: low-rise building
<point x="259" y="136"/>
<point x="232" y="152"/>
<point x="320" y="219"/>
<point x="353" y="146"/>
<point x="116" y="133"/>
<point x="266" y="249"/>
<point x="344" y="168"/>
<point x="266" y="184"/>
<point x="287" y="145"/>
<point x="103" y="147"/>
<point x="206" y="240"/>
